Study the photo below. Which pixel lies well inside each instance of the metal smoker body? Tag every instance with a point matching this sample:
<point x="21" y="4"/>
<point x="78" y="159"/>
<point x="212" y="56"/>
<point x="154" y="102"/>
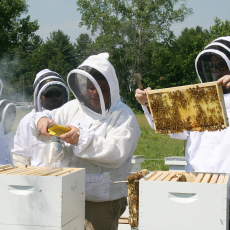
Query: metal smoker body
<point x="55" y="150"/>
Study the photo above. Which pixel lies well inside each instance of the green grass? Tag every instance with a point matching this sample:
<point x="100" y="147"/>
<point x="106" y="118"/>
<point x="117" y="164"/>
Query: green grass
<point x="151" y="145"/>
<point x="156" y="146"/>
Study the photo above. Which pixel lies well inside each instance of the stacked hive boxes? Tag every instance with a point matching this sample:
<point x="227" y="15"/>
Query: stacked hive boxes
<point x="180" y="200"/>
<point x="39" y="198"/>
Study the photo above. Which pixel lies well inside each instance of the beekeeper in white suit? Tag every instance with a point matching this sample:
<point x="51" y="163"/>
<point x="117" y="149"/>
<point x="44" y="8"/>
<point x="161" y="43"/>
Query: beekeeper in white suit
<point x="7" y="118"/>
<point x="50" y="92"/>
<point x="206" y="151"/>
<point x="104" y="134"/>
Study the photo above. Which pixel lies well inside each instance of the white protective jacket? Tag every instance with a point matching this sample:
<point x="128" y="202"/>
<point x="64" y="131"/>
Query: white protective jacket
<point x="205" y="151"/>
<point x="28" y="150"/>
<point x="107" y="141"/>
<point x="6" y="136"/>
<point x="6" y="145"/>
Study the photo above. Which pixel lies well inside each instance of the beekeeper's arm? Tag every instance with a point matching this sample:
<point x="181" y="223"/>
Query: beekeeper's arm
<point x="41" y="120"/>
<point x="112" y="148"/>
<point x="142" y="99"/>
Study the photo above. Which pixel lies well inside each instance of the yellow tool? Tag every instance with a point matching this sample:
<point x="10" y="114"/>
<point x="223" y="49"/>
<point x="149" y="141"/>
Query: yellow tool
<point x="57" y="130"/>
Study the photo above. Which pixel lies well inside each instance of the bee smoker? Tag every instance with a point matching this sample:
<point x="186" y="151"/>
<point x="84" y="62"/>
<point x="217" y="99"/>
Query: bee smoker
<point x="55" y="150"/>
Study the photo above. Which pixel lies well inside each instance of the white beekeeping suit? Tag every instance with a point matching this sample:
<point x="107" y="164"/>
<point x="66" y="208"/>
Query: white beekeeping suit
<point x="208" y="151"/>
<point x="7" y="118"/>
<point x="107" y="138"/>
<point x="28" y="150"/>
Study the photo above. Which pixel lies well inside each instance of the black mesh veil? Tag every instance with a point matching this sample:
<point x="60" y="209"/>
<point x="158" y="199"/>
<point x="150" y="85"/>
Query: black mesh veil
<point x="203" y="61"/>
<point x="7" y="115"/>
<point x="78" y="83"/>
<point x="91" y="88"/>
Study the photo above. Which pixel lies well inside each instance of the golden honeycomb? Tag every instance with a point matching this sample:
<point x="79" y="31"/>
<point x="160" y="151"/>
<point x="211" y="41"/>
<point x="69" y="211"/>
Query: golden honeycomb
<point x="196" y="107"/>
<point x="133" y="195"/>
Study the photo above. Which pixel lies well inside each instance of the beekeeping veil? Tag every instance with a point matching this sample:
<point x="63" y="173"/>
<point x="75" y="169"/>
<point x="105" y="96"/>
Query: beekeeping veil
<point x="7" y="112"/>
<point x="7" y="115"/>
<point x="220" y="48"/>
<point x="44" y="80"/>
<point x="95" y="74"/>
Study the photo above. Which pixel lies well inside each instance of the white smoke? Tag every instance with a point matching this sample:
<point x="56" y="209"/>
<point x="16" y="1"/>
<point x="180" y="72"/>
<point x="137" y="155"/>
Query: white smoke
<point x="8" y="69"/>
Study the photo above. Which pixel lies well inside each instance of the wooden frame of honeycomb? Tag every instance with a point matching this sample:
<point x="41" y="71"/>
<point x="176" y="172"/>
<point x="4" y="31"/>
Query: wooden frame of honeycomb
<point x="133" y="195"/>
<point x="197" y="107"/>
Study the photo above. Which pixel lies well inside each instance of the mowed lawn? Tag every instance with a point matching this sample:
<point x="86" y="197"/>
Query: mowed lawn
<point x="156" y="146"/>
<point x="151" y="145"/>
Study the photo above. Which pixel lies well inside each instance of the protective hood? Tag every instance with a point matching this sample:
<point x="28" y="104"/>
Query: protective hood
<point x="44" y="79"/>
<point x="221" y="49"/>
<point x="1" y="87"/>
<point x="94" y="83"/>
<point x="7" y="115"/>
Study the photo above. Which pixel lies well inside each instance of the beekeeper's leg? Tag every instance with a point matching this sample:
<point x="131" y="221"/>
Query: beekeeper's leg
<point x="104" y="215"/>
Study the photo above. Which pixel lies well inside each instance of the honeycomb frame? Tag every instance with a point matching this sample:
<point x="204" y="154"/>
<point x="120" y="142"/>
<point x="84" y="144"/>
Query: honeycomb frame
<point x="196" y="107"/>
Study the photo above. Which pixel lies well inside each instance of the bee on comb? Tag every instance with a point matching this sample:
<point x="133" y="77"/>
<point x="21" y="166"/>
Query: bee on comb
<point x="197" y="107"/>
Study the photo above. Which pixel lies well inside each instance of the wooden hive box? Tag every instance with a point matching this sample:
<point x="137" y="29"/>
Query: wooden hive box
<point x="197" y="107"/>
<point x="42" y="198"/>
<point x="180" y="200"/>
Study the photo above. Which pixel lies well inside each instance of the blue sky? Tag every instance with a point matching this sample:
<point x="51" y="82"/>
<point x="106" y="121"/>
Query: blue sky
<point x="62" y="14"/>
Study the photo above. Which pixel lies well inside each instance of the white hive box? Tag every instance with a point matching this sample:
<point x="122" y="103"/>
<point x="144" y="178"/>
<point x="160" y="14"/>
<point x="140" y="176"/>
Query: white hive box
<point x="39" y="198"/>
<point x="136" y="162"/>
<point x="166" y="202"/>
<point x="176" y="163"/>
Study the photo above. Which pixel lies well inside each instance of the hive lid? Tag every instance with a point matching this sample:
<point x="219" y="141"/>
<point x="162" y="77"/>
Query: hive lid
<point x="177" y="160"/>
<point x="137" y="156"/>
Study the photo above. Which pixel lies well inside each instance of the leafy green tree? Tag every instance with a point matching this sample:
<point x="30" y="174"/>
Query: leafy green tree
<point x="219" y="29"/>
<point x="63" y="52"/>
<point x="56" y="54"/>
<point x="17" y="72"/>
<point x="84" y="48"/>
<point x="174" y="62"/>
<point x="126" y="28"/>
<point x="13" y="28"/>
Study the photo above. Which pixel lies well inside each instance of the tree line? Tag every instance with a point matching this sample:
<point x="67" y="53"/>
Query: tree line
<point x="135" y="33"/>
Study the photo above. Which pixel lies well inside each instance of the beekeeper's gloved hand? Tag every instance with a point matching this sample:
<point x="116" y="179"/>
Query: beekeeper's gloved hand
<point x="141" y="96"/>
<point x="43" y="124"/>
<point x="225" y="80"/>
<point x="72" y="136"/>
